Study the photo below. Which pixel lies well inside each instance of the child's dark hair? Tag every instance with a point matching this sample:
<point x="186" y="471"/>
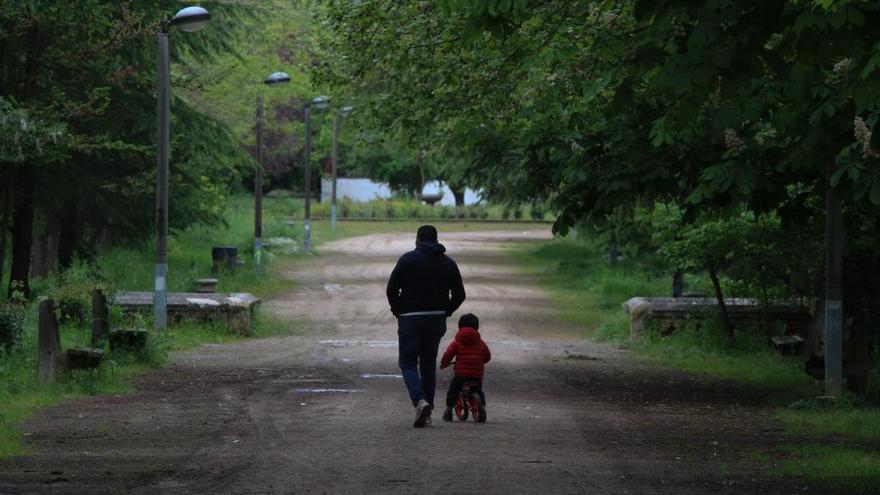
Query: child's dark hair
<point x="469" y="320"/>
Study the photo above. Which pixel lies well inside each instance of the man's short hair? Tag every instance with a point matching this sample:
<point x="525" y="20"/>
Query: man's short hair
<point x="427" y="233"/>
<point x="469" y="320"/>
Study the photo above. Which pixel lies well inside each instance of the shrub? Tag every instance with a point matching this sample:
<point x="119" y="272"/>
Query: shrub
<point x="390" y="210"/>
<point x="517" y="213"/>
<point x="72" y="292"/>
<point x="345" y="207"/>
<point x="536" y="212"/>
<point x="11" y="326"/>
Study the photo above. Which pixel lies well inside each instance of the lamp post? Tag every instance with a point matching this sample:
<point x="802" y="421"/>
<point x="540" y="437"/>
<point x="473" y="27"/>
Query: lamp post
<point x="344" y="112"/>
<point x="258" y="190"/>
<point x="274" y="78"/>
<point x="320" y="103"/>
<point x="188" y="19"/>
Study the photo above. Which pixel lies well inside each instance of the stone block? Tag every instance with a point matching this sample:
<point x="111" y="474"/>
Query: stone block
<point x="84" y="358"/>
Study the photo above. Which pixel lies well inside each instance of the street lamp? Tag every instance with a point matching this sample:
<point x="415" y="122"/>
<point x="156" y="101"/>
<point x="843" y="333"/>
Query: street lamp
<point x="320" y="103"/>
<point x="274" y="78"/>
<point x="343" y="112"/>
<point x="188" y="19"/>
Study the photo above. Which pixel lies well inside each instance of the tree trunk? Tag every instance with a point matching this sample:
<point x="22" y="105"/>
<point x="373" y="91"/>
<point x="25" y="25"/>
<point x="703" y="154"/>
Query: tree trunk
<point x="614" y="245"/>
<point x="43" y="253"/>
<point x="22" y="232"/>
<point x="4" y="219"/>
<point x="459" y="197"/>
<point x="725" y="319"/>
<point x="677" y="283"/>
<point x="68" y="238"/>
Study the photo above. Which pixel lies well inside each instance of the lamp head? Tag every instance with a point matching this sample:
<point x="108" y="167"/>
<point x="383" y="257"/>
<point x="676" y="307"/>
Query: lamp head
<point x="277" y="78"/>
<point x="191" y="19"/>
<point x="346" y="111"/>
<point x="321" y="102"/>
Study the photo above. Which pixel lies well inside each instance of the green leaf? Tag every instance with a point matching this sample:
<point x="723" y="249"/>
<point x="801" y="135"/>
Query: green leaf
<point x="875" y="137"/>
<point x="837" y="175"/>
<point x="874" y="196"/>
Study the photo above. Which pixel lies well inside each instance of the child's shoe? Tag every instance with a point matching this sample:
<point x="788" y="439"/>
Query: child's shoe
<point x="447" y="414"/>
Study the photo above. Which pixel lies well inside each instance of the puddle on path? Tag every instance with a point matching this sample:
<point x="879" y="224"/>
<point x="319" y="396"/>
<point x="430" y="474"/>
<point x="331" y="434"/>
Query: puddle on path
<point x="361" y="343"/>
<point x="380" y="375"/>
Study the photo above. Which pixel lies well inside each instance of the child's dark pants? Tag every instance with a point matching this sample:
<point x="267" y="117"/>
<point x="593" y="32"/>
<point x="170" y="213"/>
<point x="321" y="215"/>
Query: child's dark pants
<point x="455" y="389"/>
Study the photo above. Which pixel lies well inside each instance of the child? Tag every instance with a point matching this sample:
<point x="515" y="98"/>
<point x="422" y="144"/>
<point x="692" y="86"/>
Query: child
<point x="471" y="355"/>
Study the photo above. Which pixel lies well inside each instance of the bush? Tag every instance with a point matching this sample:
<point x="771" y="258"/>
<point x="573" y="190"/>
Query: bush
<point x="390" y="210"/>
<point x="536" y="212"/>
<point x="72" y="292"/>
<point x="345" y="207"/>
<point x="12" y="319"/>
<point x="517" y="213"/>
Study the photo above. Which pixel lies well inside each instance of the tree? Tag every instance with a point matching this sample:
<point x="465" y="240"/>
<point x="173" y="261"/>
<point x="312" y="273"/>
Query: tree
<point x="89" y="71"/>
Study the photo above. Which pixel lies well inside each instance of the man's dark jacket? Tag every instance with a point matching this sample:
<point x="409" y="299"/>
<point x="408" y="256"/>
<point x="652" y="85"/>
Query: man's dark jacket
<point x="425" y="279"/>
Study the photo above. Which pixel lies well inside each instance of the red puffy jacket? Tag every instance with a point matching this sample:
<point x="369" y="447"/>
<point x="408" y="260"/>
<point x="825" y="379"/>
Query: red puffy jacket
<point x="470" y="353"/>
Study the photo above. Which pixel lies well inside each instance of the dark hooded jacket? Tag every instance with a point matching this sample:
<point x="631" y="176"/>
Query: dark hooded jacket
<point x="470" y="353"/>
<point x="425" y="279"/>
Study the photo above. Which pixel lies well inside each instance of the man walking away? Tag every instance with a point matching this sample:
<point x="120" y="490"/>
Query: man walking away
<point x="424" y="289"/>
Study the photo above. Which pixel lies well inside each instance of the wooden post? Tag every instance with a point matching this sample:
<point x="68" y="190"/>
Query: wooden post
<point x="100" y="317"/>
<point x="48" y="343"/>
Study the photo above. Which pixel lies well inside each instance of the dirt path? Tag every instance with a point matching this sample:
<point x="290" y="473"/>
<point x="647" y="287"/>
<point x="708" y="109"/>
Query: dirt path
<point x="326" y="412"/>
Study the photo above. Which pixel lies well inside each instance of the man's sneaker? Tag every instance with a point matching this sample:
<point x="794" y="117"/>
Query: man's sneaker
<point x="481" y="418"/>
<point x="447" y="414"/>
<point x="423" y="410"/>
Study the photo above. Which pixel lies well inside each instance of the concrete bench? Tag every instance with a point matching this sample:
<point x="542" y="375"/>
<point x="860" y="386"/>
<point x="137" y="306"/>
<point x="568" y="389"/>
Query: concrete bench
<point x="668" y="314"/>
<point x="235" y="309"/>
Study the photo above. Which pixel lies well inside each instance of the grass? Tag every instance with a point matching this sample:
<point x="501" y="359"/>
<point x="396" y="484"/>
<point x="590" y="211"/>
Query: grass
<point x="831" y="446"/>
<point x="837" y="466"/>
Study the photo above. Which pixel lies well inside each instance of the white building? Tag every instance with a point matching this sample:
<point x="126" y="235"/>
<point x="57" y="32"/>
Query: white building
<point x="362" y="190"/>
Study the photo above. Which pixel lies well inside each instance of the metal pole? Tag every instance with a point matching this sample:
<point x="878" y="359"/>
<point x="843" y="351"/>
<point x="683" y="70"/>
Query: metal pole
<point x="333" y="172"/>
<point x="258" y="190"/>
<point x="163" y="109"/>
<point x="834" y="291"/>
<point x="307" y="242"/>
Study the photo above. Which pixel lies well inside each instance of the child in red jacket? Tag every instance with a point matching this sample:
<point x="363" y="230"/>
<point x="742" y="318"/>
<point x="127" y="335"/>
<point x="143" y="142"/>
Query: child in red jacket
<point x="471" y="354"/>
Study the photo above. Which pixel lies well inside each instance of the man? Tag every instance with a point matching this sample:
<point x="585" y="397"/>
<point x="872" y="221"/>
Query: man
<point x="424" y="289"/>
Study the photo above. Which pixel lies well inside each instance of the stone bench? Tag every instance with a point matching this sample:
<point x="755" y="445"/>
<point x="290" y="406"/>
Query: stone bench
<point x="235" y="309"/>
<point x="668" y="314"/>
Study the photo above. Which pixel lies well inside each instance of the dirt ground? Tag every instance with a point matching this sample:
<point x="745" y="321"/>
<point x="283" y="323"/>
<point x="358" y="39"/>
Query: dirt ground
<point x="326" y="411"/>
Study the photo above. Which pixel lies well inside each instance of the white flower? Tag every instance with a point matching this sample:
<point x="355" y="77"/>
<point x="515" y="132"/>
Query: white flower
<point x="863" y="136"/>
<point x="732" y="141"/>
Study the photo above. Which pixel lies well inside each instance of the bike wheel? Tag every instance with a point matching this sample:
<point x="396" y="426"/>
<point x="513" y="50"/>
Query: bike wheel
<point x="476" y="407"/>
<point x="461" y="410"/>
